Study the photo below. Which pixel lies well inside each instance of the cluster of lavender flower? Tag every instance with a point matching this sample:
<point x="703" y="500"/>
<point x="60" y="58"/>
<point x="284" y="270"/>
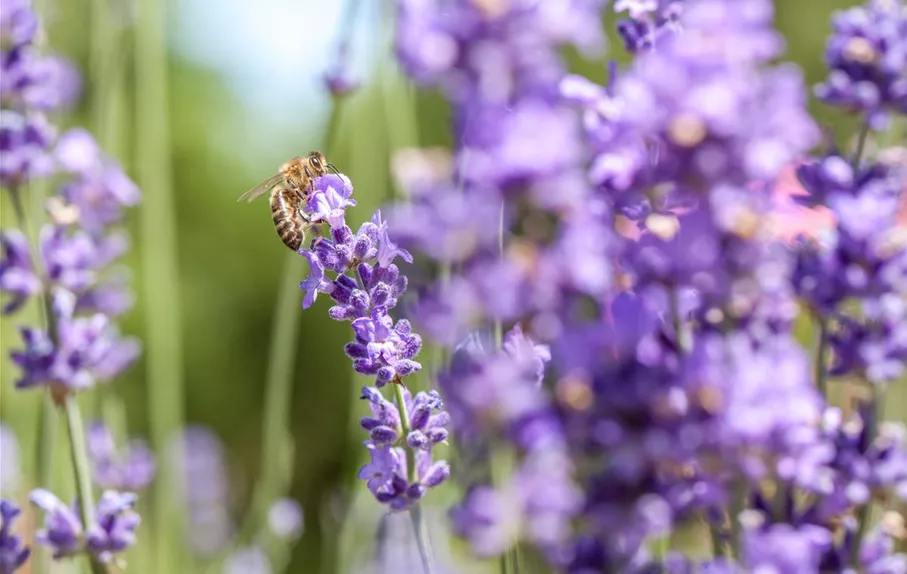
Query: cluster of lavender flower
<point x="650" y="379"/>
<point x="366" y="286"/>
<point x="71" y="274"/>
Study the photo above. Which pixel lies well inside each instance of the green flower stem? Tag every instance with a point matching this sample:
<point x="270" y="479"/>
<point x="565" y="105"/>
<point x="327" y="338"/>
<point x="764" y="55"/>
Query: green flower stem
<point x="81" y="469"/>
<point x="865" y="511"/>
<point x="681" y="330"/>
<point x="821" y="360"/>
<point x="422" y="540"/>
<point x="276" y="433"/>
<point x="415" y="514"/>
<point x="738" y="505"/>
<point x="861" y="145"/>
<point x="161" y="279"/>
<point x="47" y="417"/>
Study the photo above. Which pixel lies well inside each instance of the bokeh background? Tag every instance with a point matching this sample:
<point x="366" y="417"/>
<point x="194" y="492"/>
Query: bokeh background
<point x="245" y="91"/>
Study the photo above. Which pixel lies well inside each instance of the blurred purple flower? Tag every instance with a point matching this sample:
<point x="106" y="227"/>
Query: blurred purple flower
<point x="116" y="525"/>
<point x="24" y="143"/>
<point x="18" y="23"/>
<point x="131" y="468"/>
<point x="35" y="81"/>
<point x="87" y="350"/>
<point x="62" y="531"/>
<point x="285" y="519"/>
<point x="866" y="56"/>
<point x="782" y="548"/>
<point x="13" y="553"/>
<point x="99" y="189"/>
<point x="247" y="560"/>
<point x="649" y="21"/>
<point x="197" y="454"/>
<point x="18" y="281"/>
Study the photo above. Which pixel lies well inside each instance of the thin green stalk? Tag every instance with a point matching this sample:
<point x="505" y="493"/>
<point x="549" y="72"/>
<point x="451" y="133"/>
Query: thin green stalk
<point x="161" y="276"/>
<point x="821" y="359"/>
<point x="276" y="433"/>
<point x="738" y="505"/>
<point x="415" y="514"/>
<point x="861" y="145"/>
<point x="681" y="330"/>
<point x="865" y="511"/>
<point x="509" y="562"/>
<point x="102" y="52"/>
<point x="422" y="539"/>
<point x="715" y="537"/>
<point x="79" y="454"/>
<point x="47" y="422"/>
<point x="16" y="198"/>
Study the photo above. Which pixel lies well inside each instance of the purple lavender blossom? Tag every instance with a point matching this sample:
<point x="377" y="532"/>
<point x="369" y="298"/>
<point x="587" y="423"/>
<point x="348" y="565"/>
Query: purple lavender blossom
<point x="13" y="553"/>
<point x="99" y="189"/>
<point x="24" y="143"/>
<point x="87" y="350"/>
<point x="387" y="475"/>
<point x="116" y="525"/>
<point x="64" y="533"/>
<point x="649" y="21"/>
<point x="18" y="23"/>
<point x="130" y="468"/>
<point x="381" y="348"/>
<point x="18" y="281"/>
<point x="367" y="286"/>
<point x="866" y="60"/>
<point x="63" y="529"/>
<point x="782" y="548"/>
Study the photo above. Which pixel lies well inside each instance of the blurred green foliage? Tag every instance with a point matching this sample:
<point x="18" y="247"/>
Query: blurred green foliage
<point x="230" y="259"/>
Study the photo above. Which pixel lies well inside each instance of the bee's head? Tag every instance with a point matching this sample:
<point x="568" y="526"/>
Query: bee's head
<point x="318" y="163"/>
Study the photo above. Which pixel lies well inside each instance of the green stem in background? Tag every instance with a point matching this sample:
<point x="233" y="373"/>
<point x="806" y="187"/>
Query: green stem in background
<point x="79" y="454"/>
<point x="715" y="537"/>
<point x="821" y="359"/>
<point x="738" y="505"/>
<point x="422" y="539"/>
<point x="510" y="560"/>
<point x="161" y="278"/>
<point x="47" y="423"/>
<point x="865" y="511"/>
<point x="681" y="330"/>
<point x="102" y="50"/>
<point x="276" y="433"/>
<point x="861" y="145"/>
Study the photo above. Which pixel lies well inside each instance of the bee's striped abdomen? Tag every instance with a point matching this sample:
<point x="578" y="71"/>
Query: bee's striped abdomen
<point x="287" y="218"/>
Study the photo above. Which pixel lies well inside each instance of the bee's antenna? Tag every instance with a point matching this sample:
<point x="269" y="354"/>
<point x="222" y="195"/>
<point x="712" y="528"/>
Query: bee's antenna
<point x="333" y="168"/>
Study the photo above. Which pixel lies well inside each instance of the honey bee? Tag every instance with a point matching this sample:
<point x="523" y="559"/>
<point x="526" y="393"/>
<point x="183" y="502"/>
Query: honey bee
<point x="290" y="188"/>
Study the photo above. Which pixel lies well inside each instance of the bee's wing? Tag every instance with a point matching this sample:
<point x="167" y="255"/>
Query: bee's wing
<point x="262" y="188"/>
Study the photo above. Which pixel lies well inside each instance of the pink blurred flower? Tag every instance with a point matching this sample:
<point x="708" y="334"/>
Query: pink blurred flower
<point x="790" y="219"/>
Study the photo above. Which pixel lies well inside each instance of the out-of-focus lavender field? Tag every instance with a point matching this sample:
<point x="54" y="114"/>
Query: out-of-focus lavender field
<point x="590" y="286"/>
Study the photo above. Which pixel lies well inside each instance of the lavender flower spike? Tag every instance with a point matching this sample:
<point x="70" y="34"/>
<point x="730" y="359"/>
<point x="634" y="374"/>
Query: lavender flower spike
<point x="13" y="553"/>
<point x="131" y="468"/>
<point x="366" y="286"/>
<point x="64" y="533"/>
<point x="62" y="530"/>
